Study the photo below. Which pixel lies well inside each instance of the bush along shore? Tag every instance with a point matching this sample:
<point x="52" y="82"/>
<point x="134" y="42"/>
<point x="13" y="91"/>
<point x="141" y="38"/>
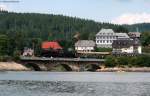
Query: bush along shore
<point x="128" y="61"/>
<point x="139" y="63"/>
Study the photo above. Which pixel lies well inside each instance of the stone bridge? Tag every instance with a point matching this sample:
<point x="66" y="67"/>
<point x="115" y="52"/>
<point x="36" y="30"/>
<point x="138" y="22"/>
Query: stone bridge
<point x="69" y="64"/>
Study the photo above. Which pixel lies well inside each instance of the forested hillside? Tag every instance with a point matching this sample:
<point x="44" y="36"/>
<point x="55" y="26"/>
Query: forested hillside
<point x="143" y="27"/>
<point x="19" y="30"/>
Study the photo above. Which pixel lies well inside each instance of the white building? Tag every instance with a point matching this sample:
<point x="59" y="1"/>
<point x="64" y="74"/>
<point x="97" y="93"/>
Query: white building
<point x="28" y="52"/>
<point x="105" y="38"/>
<point x="84" y="46"/>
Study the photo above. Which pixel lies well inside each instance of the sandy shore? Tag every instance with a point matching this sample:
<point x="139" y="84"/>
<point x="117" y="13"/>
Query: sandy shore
<point x="142" y="69"/>
<point x="12" y="66"/>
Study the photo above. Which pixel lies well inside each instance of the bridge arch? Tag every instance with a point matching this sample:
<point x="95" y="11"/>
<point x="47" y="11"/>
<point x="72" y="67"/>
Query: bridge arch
<point x="92" y="67"/>
<point x="62" y="67"/>
<point x="33" y="66"/>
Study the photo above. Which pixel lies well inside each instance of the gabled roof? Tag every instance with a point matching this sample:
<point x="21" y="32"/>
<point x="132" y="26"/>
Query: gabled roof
<point x="85" y="43"/>
<point x="105" y="31"/>
<point x="122" y="36"/>
<point x="51" y="45"/>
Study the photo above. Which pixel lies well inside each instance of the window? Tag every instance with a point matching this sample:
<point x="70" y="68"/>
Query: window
<point x="97" y="41"/>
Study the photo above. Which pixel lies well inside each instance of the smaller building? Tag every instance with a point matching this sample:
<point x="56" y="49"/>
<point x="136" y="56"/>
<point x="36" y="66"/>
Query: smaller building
<point x="51" y="49"/>
<point x="126" y="46"/>
<point x="84" y="46"/>
<point x="122" y="46"/>
<point x="134" y="35"/>
<point x="28" y="52"/>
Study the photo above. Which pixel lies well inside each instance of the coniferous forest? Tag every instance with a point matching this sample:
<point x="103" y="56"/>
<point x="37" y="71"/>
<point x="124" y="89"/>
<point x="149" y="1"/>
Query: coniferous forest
<point x="19" y="30"/>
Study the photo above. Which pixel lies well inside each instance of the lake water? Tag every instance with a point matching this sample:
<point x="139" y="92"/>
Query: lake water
<point x="74" y="84"/>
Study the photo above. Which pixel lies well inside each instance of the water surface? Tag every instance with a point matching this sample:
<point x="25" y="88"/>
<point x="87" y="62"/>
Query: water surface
<point x="74" y="84"/>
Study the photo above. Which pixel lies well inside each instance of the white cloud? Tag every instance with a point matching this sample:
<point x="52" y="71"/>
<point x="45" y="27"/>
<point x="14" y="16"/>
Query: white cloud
<point x="3" y="7"/>
<point x="131" y="18"/>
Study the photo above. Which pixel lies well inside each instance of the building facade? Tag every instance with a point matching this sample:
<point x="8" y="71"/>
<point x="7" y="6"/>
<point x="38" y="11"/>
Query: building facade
<point x="126" y="46"/>
<point x="105" y="38"/>
<point x="84" y="46"/>
<point x="28" y="52"/>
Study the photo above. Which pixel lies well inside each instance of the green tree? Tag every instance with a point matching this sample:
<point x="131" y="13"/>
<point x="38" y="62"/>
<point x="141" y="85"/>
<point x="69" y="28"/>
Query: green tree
<point x="122" y="61"/>
<point x="36" y="46"/>
<point x="110" y="61"/>
<point x="4" y="41"/>
<point x="145" y="38"/>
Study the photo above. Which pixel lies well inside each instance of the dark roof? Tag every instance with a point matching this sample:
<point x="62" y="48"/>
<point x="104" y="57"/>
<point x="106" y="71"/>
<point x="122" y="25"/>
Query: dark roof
<point x="51" y="45"/>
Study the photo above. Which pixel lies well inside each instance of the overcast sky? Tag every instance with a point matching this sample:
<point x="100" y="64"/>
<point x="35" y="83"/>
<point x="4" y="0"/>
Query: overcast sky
<point x="116" y="11"/>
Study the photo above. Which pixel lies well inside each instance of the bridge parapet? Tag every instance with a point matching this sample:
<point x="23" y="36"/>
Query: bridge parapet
<point x="62" y="59"/>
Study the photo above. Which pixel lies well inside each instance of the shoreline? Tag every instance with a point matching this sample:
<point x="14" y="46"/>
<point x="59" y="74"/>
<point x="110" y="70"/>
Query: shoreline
<point x="133" y="69"/>
<point x="13" y="66"/>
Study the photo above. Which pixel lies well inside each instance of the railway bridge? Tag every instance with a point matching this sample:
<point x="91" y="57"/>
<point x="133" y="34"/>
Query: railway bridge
<point x="69" y="64"/>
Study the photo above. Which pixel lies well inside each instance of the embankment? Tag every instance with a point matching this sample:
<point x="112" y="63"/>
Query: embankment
<point x="12" y="66"/>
